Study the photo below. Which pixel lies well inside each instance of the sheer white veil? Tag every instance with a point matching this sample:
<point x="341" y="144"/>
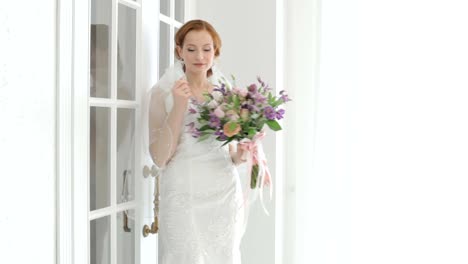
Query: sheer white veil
<point x="158" y="102"/>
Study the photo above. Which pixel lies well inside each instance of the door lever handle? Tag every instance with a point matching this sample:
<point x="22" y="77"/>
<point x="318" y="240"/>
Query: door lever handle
<point x="125" y="222"/>
<point x="155" y="225"/>
<point x="151" y="230"/>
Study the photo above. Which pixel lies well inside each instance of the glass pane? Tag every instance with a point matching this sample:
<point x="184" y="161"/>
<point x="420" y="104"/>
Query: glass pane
<point x="164" y="42"/>
<point x="100" y="48"/>
<point x="164" y="7"/>
<point x="125" y="154"/>
<point x="175" y="58"/>
<point x="100" y="240"/>
<point x="179" y="10"/>
<point x="126" y="237"/>
<point x="99" y="164"/>
<point x="126" y="53"/>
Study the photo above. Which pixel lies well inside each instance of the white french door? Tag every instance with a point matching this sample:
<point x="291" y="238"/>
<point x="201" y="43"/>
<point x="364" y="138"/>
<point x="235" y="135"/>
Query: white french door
<point x="110" y="53"/>
<point x="116" y="208"/>
<point x="122" y="68"/>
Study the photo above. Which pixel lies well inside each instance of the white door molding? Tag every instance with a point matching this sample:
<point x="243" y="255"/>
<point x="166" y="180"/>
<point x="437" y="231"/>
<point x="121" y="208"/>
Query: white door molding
<point x="64" y="243"/>
<point x="72" y="146"/>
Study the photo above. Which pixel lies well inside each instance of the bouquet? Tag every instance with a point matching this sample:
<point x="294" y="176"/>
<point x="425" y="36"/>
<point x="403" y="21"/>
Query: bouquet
<point x="233" y="113"/>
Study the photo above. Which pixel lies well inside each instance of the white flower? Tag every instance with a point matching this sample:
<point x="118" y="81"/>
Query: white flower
<point x="218" y="96"/>
<point x="213" y="104"/>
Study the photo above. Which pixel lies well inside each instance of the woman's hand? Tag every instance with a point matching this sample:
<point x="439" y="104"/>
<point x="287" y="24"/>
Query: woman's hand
<point x="181" y="93"/>
<point x="237" y="155"/>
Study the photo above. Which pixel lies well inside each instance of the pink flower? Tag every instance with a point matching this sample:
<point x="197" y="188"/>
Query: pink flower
<point x="240" y="91"/>
<point x="219" y="112"/>
<point x="232" y="115"/>
<point x="230" y="129"/>
<point x="243" y="92"/>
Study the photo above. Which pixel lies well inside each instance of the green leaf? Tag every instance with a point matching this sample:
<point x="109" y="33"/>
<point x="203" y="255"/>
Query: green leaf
<point x="236" y="101"/>
<point x="271" y="99"/>
<point x="260" y="124"/>
<point x="227" y="142"/>
<point x="252" y="132"/>
<point x="203" y="137"/>
<point x="205" y="127"/>
<point x="273" y="125"/>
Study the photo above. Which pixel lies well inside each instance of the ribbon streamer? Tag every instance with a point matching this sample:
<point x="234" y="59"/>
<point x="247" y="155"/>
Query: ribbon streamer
<point x="253" y="153"/>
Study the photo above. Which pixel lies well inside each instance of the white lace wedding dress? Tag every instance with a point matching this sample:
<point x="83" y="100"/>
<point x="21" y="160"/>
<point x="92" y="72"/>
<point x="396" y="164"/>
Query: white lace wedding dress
<point x="201" y="211"/>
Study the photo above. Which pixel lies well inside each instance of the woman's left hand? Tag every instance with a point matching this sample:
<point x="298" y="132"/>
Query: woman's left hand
<point x="237" y="155"/>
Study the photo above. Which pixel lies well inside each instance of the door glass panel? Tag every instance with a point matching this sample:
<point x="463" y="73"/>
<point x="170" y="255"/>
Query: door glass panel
<point x="99" y="164"/>
<point x="126" y="237"/>
<point x="100" y="241"/>
<point x="125" y="154"/>
<point x="164" y="7"/>
<point x="164" y="42"/>
<point x="175" y="57"/>
<point x="126" y="53"/>
<point x="100" y="48"/>
<point x="179" y="10"/>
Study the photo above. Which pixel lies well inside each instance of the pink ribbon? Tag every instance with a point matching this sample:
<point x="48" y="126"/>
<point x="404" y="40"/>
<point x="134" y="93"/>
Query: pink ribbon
<point x="253" y="152"/>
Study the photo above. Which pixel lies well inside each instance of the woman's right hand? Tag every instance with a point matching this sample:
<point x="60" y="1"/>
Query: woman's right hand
<point x="181" y="93"/>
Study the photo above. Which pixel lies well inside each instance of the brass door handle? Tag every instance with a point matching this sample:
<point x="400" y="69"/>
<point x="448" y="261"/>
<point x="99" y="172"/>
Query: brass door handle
<point x="124" y="198"/>
<point x="153" y="230"/>
<point x="155" y="225"/>
<point x="125" y="222"/>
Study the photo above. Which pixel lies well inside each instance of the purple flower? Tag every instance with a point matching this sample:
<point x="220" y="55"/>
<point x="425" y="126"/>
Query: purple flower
<point x="259" y="98"/>
<point x="192" y="110"/>
<point x="253" y="108"/>
<point x="252" y="88"/>
<point x="284" y="96"/>
<point x="220" y="135"/>
<point x="279" y="114"/>
<point x="193" y="130"/>
<point x="221" y="89"/>
<point x="260" y="81"/>
<point x="194" y="101"/>
<point x="214" y="121"/>
<point x="269" y="113"/>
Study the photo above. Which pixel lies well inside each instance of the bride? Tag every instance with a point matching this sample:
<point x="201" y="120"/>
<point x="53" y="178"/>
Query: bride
<point x="201" y="213"/>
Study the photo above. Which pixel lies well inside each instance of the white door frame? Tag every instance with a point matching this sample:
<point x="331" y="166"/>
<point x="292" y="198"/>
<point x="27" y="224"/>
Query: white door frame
<point x="72" y="146"/>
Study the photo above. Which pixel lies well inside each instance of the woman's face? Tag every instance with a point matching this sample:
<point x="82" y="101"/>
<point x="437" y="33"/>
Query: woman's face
<point x="197" y="52"/>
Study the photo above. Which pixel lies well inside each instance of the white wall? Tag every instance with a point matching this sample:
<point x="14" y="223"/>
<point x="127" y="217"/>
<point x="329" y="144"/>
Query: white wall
<point x="389" y="176"/>
<point x="247" y="29"/>
<point x="27" y="134"/>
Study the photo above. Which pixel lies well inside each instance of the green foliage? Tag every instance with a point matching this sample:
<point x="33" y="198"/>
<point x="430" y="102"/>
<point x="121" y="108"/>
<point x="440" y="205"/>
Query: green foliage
<point x="254" y="176"/>
<point x="273" y="125"/>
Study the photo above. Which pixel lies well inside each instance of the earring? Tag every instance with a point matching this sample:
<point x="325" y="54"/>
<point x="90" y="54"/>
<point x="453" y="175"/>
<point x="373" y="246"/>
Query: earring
<point x="182" y="61"/>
